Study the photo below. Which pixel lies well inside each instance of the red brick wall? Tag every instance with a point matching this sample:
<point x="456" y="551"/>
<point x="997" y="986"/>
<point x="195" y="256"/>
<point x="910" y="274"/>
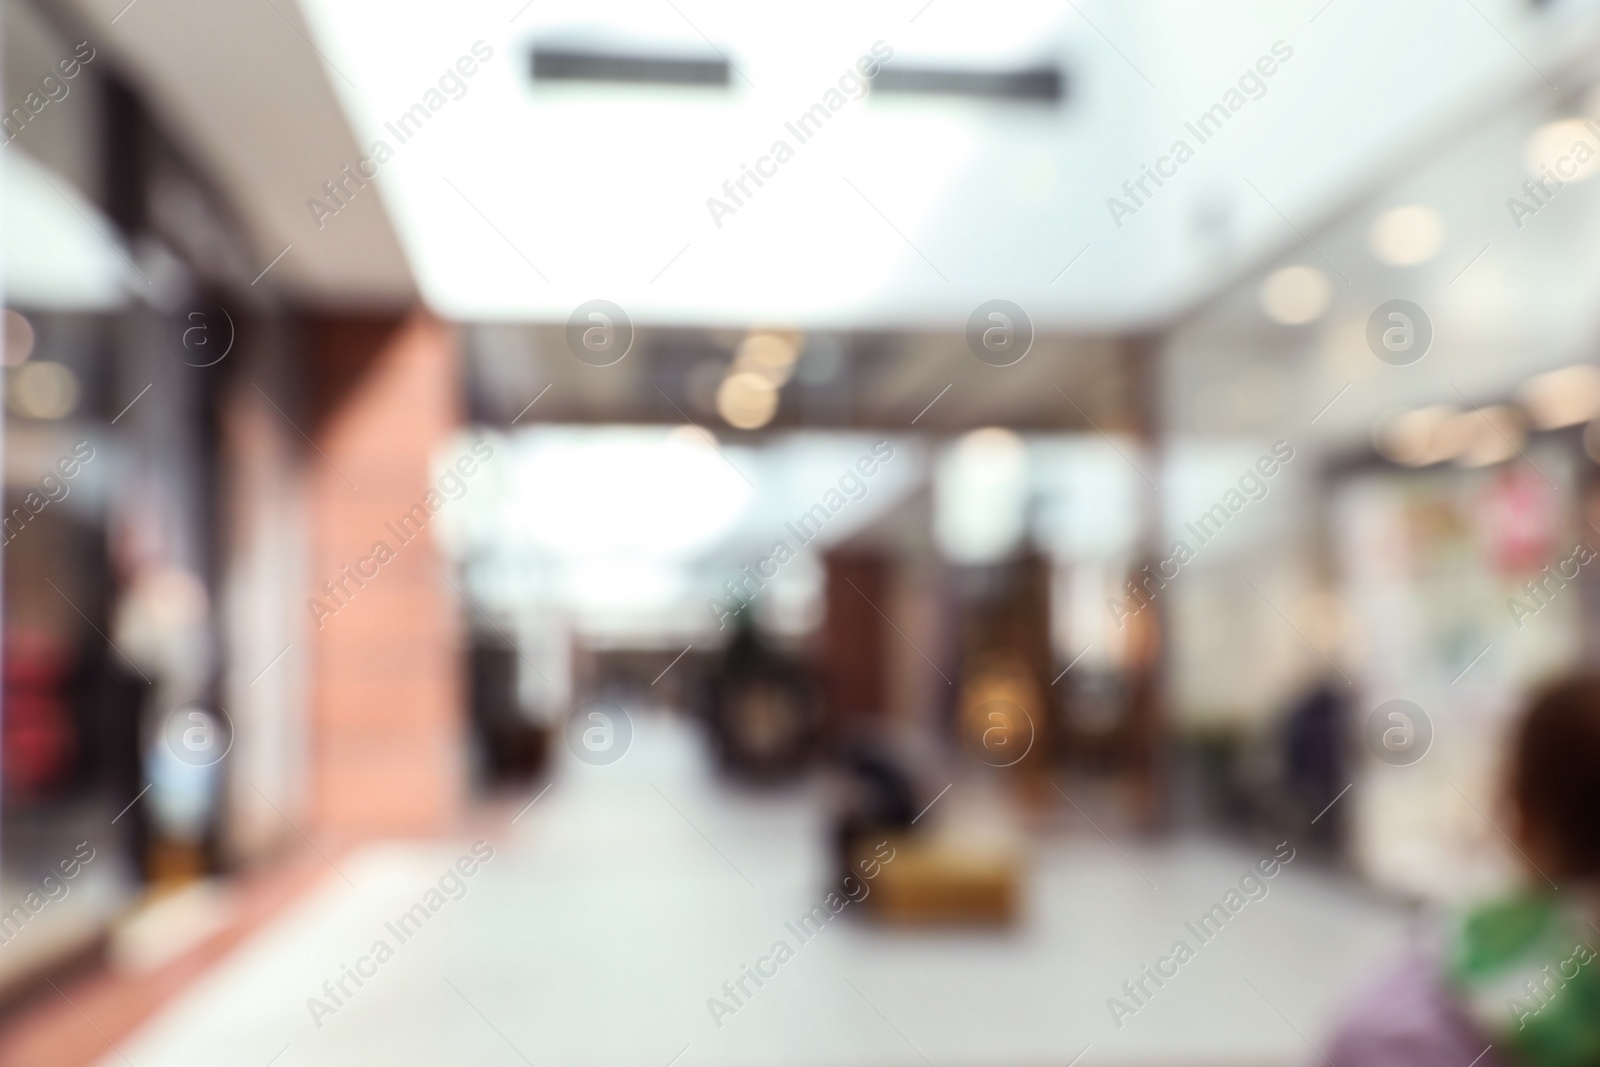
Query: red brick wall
<point x="386" y="695"/>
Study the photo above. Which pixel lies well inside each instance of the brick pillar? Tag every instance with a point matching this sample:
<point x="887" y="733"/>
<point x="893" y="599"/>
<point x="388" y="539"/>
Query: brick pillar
<point x="386" y="738"/>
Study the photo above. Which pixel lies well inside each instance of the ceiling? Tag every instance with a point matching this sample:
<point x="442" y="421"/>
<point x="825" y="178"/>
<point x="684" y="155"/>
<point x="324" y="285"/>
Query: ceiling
<point x="517" y="200"/>
<point x="923" y="381"/>
<point x="522" y="199"/>
<point x="1508" y="295"/>
<point x="242" y="88"/>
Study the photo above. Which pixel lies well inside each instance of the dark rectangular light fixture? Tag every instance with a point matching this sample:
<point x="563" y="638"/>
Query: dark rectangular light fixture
<point x="575" y="65"/>
<point x="1038" y="84"/>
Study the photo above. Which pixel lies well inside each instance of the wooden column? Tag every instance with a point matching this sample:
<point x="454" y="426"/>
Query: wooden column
<point x="854" y="638"/>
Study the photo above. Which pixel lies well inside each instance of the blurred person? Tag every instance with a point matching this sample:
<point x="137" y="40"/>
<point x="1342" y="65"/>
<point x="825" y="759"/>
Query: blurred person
<point x="765" y="712"/>
<point x="1514" y="982"/>
<point x="1314" y="758"/>
<point x="880" y="798"/>
<point x="162" y="623"/>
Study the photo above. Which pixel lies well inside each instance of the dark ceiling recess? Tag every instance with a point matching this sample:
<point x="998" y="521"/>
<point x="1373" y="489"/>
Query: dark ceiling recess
<point x="586" y="65"/>
<point x="1037" y="84"/>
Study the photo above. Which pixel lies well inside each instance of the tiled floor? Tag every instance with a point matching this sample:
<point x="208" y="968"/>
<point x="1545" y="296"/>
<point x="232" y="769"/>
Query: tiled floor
<point x="626" y="896"/>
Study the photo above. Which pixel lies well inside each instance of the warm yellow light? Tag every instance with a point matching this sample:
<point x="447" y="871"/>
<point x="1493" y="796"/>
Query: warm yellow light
<point x="1295" y="295"/>
<point x="1436" y="434"/>
<point x="1563" y="397"/>
<point x="1490" y="435"/>
<point x="1418" y="438"/>
<point x="746" y="400"/>
<point x="1565" y="150"/>
<point x="691" y="436"/>
<point x="1406" y="236"/>
<point x="769" y="353"/>
<point x="43" y="390"/>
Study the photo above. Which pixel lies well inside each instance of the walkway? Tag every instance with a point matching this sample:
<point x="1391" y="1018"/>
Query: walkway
<point x="627" y="895"/>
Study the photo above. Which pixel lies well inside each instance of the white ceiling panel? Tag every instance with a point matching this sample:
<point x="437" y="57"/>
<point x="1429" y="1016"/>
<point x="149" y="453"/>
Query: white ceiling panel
<point x="518" y="200"/>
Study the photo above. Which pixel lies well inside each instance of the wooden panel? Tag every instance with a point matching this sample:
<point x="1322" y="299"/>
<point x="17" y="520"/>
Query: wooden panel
<point x="854" y="642"/>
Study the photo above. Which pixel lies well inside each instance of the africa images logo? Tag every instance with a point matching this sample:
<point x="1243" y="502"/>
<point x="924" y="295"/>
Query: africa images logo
<point x="599" y="333"/>
<point x="999" y="333"/>
<point x="1399" y="332"/>
<point x="599" y="732"/>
